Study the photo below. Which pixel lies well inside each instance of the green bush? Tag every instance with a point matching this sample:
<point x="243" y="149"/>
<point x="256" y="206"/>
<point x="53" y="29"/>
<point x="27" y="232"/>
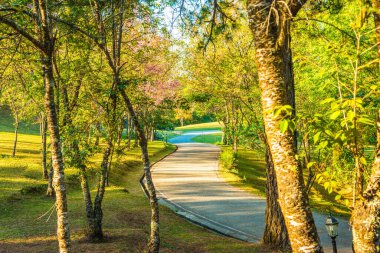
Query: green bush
<point x="228" y="159"/>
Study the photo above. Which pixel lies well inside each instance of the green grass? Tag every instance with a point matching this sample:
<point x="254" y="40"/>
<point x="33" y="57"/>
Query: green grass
<point x="28" y="221"/>
<point x="249" y="174"/>
<point x="6" y="124"/>
<point x="200" y="127"/>
<point x="208" y="138"/>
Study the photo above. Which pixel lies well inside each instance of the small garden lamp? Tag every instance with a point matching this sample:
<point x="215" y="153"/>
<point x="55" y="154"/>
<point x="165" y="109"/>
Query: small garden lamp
<point x="332" y="229"/>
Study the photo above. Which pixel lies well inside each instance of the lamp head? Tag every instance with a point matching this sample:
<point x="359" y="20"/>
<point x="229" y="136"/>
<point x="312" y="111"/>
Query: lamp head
<point x="332" y="226"/>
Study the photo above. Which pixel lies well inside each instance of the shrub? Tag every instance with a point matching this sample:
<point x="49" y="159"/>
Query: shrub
<point x="228" y="159"/>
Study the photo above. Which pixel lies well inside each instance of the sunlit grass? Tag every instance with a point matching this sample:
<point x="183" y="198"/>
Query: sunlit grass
<point x="199" y="127"/>
<point x="208" y="138"/>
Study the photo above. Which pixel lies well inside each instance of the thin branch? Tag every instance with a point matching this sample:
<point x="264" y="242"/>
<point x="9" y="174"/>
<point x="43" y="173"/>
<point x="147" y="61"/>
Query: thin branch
<point x="22" y="31"/>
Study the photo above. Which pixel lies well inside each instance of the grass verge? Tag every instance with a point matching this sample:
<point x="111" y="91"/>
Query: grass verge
<point x="28" y="221"/>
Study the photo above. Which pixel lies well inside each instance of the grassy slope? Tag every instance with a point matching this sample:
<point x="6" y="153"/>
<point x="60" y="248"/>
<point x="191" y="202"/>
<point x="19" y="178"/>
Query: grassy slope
<point x="200" y="127"/>
<point x="208" y="138"/>
<point x="28" y="221"/>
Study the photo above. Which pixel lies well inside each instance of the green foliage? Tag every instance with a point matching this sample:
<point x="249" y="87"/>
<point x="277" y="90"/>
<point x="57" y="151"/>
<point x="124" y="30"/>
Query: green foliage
<point x="228" y="159"/>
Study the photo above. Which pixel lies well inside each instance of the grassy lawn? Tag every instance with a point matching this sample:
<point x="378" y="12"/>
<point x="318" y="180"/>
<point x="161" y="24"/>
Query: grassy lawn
<point x="200" y="127"/>
<point x="28" y="221"/>
<point x="208" y="138"/>
<point x="249" y="174"/>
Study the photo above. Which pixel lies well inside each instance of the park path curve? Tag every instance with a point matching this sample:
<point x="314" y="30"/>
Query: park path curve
<point x="187" y="181"/>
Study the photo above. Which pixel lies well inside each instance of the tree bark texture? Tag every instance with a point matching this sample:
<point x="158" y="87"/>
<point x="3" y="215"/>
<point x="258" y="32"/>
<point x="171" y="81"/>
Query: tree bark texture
<point x="365" y="218"/>
<point x="63" y="232"/>
<point x="50" y="189"/>
<point x="43" y="132"/>
<point x="154" y="241"/>
<point x="98" y="212"/>
<point x="270" y="24"/>
<point x="17" y="124"/>
<point x="275" y="232"/>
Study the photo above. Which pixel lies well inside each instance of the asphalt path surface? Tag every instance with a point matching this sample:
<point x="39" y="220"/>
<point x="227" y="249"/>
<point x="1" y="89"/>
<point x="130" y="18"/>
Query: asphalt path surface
<point x="188" y="182"/>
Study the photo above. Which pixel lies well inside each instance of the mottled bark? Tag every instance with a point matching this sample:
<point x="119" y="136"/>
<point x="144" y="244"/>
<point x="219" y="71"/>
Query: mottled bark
<point x="365" y="218"/>
<point x="43" y="133"/>
<point x="17" y="124"/>
<point x="270" y="24"/>
<point x="154" y="241"/>
<point x="45" y="44"/>
<point x="50" y="190"/>
<point x="275" y="232"/>
<point x="63" y="232"/>
<point x="98" y="212"/>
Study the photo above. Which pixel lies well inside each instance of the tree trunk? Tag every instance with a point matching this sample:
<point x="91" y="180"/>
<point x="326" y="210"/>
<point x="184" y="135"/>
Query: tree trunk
<point x="365" y="218"/>
<point x="152" y="134"/>
<point x="109" y="166"/>
<point x="98" y="129"/>
<point x="43" y="132"/>
<point x="98" y="212"/>
<point x="274" y="64"/>
<point x="63" y="232"/>
<point x="275" y="232"/>
<point x="129" y="132"/>
<point x="17" y="124"/>
<point x="154" y="241"/>
<point x="50" y="189"/>
<point x="120" y="132"/>
<point x="136" y="141"/>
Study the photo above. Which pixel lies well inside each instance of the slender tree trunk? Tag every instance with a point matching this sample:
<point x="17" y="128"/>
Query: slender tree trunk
<point x="98" y="212"/>
<point x="129" y="132"/>
<point x="109" y="166"/>
<point x="365" y="218"/>
<point x="63" y="232"/>
<point x="154" y="241"/>
<point x="50" y="189"/>
<point x="136" y="141"/>
<point x="152" y="133"/>
<point x="275" y="232"/>
<point x="90" y="217"/>
<point x="43" y="131"/>
<point x="274" y="64"/>
<point x="98" y="129"/>
<point x="17" y="124"/>
<point x="120" y="132"/>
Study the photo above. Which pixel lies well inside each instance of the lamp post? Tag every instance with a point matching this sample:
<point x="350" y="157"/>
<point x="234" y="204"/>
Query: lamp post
<point x="332" y="229"/>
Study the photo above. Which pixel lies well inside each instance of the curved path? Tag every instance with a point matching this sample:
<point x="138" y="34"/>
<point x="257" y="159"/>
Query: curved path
<point x="187" y="181"/>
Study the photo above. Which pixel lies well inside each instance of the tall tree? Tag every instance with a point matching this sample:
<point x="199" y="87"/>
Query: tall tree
<point x="45" y="43"/>
<point x="270" y="24"/>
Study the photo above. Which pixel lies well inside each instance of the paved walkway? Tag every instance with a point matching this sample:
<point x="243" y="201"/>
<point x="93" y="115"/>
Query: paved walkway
<point x="187" y="181"/>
